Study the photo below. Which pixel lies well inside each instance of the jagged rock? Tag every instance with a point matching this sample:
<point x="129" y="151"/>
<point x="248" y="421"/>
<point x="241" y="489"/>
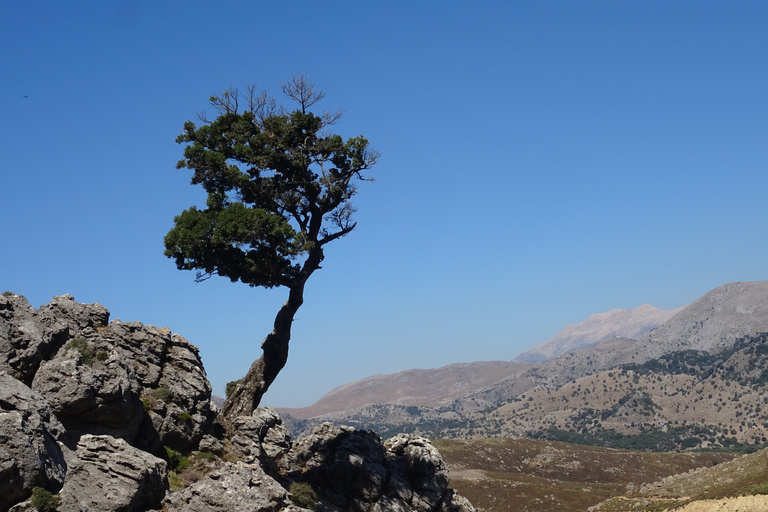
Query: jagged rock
<point x="174" y="387"/>
<point x="242" y="487"/>
<point x="75" y="315"/>
<point x="210" y="444"/>
<point x="144" y="386"/>
<point x="354" y="470"/>
<point x="110" y="475"/>
<point x="27" y="337"/>
<point x="102" y="378"/>
<point x="261" y="434"/>
<point x="97" y="396"/>
<point x="29" y="453"/>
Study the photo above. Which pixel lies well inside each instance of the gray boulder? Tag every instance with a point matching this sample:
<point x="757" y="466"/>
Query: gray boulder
<point x="29" y="453"/>
<point x="354" y="470"/>
<point x="92" y="394"/>
<point x="174" y="388"/>
<point x="260" y="436"/>
<point x="239" y="486"/>
<point x="110" y="475"/>
<point x="27" y="337"/>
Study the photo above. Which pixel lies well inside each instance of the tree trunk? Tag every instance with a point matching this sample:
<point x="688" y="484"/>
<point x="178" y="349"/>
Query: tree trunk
<point x="246" y="396"/>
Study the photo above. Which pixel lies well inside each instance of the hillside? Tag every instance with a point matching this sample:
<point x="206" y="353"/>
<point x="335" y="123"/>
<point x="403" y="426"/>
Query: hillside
<point x="412" y="387"/>
<point x="617" y="392"/>
<point x="738" y="485"/>
<point x="433" y="387"/>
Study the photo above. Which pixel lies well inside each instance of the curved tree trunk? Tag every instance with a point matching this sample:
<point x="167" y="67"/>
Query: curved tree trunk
<point x="247" y="394"/>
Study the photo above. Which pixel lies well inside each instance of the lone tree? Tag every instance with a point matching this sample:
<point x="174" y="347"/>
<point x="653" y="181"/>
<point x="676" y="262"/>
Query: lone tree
<point x="279" y="189"/>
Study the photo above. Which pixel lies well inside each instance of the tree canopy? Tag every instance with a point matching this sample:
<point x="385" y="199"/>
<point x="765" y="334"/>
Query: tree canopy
<point x="279" y="189"/>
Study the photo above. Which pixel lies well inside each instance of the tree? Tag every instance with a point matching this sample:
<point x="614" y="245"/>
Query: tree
<point x="279" y="190"/>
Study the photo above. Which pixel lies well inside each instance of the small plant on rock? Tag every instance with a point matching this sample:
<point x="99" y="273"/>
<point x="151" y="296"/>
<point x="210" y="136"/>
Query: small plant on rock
<point x="86" y="351"/>
<point x="184" y="417"/>
<point x="43" y="500"/>
<point x="302" y="495"/>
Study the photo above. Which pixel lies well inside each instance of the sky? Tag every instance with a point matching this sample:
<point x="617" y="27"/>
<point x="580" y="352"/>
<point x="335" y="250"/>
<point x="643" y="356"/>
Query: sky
<point x="541" y="161"/>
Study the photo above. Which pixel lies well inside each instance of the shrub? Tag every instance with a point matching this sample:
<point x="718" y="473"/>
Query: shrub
<point x="184" y="417"/>
<point x="162" y="393"/>
<point x="43" y="500"/>
<point x="231" y="387"/>
<point x="302" y="495"/>
<point x="86" y="352"/>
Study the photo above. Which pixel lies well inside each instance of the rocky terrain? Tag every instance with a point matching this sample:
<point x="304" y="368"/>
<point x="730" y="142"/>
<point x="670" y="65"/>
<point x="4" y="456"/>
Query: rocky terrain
<point x="114" y="416"/>
<point x="613" y="392"/>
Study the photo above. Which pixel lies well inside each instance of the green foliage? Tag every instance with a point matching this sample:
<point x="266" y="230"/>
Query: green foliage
<point x="7" y="294"/>
<point x="205" y="455"/>
<point x="43" y="500"/>
<point x="231" y="386"/>
<point x="302" y="495"/>
<point x="148" y="404"/>
<point x="278" y="188"/>
<point x="81" y="345"/>
<point x="184" y="417"/>
<point x="162" y="393"/>
<point x="176" y="461"/>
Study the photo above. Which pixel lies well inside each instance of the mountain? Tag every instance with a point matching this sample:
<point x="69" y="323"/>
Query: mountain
<point x="411" y="387"/>
<point x="617" y="323"/>
<point x="432" y="387"/>
<point x="685" y="372"/>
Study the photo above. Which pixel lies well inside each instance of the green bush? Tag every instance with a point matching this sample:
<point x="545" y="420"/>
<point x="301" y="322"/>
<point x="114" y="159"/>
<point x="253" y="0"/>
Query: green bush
<point x="302" y="495"/>
<point x="231" y="387"/>
<point x="184" y="417"/>
<point x="86" y="351"/>
<point x="162" y="393"/>
<point x="43" y="500"/>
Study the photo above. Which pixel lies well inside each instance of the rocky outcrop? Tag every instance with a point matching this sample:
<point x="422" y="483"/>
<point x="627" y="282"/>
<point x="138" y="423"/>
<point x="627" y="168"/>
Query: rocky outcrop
<point x="85" y="405"/>
<point x="109" y="475"/>
<point x="236" y="486"/>
<point x="354" y="470"/>
<point x="29" y="453"/>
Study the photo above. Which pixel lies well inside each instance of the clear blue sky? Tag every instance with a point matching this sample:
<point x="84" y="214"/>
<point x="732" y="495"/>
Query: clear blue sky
<point x="542" y="161"/>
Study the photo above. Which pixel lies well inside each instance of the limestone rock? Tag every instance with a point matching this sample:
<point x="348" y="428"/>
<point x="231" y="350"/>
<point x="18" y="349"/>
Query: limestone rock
<point x="27" y="337"/>
<point x="110" y="475"/>
<point x="260" y="435"/>
<point x="354" y="470"/>
<point x="242" y="487"/>
<point x="29" y="453"/>
<point x="100" y="397"/>
<point x="174" y="387"/>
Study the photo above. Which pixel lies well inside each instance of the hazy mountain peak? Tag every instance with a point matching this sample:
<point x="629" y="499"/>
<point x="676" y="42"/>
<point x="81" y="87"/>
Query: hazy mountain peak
<point x="616" y="323"/>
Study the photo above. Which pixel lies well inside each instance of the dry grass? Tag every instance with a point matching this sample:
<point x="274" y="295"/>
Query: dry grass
<point x="508" y="475"/>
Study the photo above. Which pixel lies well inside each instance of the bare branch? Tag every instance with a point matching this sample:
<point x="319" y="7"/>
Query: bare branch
<point x="227" y="102"/>
<point x="301" y="89"/>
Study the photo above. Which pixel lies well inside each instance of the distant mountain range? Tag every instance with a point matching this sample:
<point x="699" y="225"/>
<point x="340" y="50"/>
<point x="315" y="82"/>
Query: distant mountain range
<point x="434" y="387"/>
<point x="696" y="379"/>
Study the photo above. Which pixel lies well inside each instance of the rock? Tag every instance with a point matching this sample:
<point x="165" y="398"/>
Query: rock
<point x="110" y="475"/>
<point x="354" y="470"/>
<point x="415" y="460"/>
<point x="27" y="337"/>
<point x="96" y="397"/>
<point x="242" y="487"/>
<point x="29" y="453"/>
<point x="174" y="387"/>
<point x="75" y="315"/>
<point x="260" y="435"/>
